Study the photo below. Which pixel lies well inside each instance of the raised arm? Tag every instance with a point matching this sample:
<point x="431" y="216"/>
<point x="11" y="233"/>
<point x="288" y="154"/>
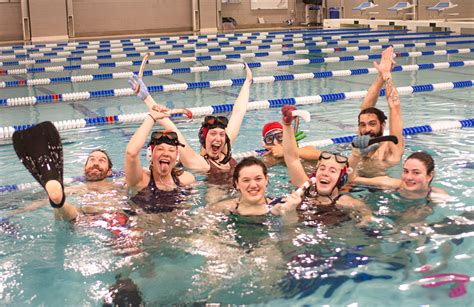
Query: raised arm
<point x="370" y="99"/>
<point x="295" y="169"/>
<point x="395" y="118"/>
<point x="373" y="92"/>
<point x="381" y="182"/>
<point x="393" y="99"/>
<point x="240" y="107"/>
<point x="133" y="167"/>
<point x="188" y="156"/>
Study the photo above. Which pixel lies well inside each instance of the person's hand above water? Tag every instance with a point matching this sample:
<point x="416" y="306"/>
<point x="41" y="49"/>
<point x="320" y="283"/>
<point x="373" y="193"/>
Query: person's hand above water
<point x="248" y="76"/>
<point x="137" y="84"/>
<point x="386" y="63"/>
<point x="275" y="150"/>
<point x="287" y="111"/>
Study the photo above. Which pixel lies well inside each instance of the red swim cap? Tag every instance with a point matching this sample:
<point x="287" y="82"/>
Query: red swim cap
<point x="271" y="126"/>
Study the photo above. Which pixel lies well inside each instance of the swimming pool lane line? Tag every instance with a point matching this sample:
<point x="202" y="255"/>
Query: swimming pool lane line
<point x="217" y="37"/>
<point x="439" y="126"/>
<point x="81" y="96"/>
<point x="193" y="46"/>
<point x="161" y="72"/>
<point x="91" y="54"/>
<point x="189" y="59"/>
<point x="7" y="132"/>
<point x="173" y="44"/>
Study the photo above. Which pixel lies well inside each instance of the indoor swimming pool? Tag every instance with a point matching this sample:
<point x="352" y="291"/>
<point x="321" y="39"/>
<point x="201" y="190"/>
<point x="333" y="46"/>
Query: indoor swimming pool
<point x="194" y="256"/>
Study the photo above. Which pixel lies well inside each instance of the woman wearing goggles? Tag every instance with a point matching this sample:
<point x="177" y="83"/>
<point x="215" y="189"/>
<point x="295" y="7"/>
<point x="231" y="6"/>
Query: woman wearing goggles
<point x="331" y="175"/>
<point x="158" y="187"/>
<point x="216" y="135"/>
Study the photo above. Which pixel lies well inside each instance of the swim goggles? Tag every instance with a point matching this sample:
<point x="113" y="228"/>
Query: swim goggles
<point x="165" y="136"/>
<point x="326" y="155"/>
<point x="211" y="122"/>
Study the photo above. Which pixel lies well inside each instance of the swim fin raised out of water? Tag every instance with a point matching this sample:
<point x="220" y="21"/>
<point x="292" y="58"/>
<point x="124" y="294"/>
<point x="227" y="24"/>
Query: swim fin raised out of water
<point x="41" y="151"/>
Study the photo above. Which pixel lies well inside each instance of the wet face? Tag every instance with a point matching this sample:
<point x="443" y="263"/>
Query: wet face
<point x="369" y="124"/>
<point x="327" y="176"/>
<point x="414" y="176"/>
<point x="97" y="167"/>
<point x="215" y="142"/>
<point x="252" y="184"/>
<point x="164" y="158"/>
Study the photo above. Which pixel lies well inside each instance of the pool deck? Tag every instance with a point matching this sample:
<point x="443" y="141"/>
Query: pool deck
<point x="459" y="27"/>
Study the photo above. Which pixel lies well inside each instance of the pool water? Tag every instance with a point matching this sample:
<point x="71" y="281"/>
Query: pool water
<point x="193" y="256"/>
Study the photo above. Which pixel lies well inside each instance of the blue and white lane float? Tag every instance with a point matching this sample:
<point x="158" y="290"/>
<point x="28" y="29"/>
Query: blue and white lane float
<point x="173" y="49"/>
<point x="82" y="96"/>
<point x="7" y="132"/>
<point x="96" y="66"/>
<point x="439" y="126"/>
<point x="192" y="43"/>
<point x="197" y="38"/>
<point x="159" y="72"/>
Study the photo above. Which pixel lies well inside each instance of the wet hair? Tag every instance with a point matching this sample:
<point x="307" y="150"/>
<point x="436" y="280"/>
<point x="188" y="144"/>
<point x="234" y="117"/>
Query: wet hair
<point x="379" y="113"/>
<point x="105" y="153"/>
<point x="246" y="162"/>
<point x="425" y="158"/>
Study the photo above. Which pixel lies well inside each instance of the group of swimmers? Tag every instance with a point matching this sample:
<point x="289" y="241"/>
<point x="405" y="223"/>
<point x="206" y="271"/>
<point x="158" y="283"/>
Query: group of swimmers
<point x="160" y="186"/>
<point x="161" y="181"/>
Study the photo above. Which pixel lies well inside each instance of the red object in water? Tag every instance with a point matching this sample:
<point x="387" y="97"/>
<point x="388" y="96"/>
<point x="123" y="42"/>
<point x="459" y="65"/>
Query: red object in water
<point x="436" y="280"/>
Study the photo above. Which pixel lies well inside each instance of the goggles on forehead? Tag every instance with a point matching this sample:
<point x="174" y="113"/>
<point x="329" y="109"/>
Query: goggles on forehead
<point x="326" y="155"/>
<point x="211" y="121"/>
<point x="165" y="136"/>
<point x="270" y="137"/>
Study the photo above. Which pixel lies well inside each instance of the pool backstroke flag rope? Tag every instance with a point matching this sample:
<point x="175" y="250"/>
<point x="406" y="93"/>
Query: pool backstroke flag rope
<point x="7" y="132"/>
<point x="204" y="69"/>
<point x="81" y="96"/>
<point x="430" y="128"/>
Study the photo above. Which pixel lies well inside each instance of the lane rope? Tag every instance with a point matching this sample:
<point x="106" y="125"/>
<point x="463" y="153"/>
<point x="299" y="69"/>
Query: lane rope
<point x="439" y="126"/>
<point x="118" y="92"/>
<point x="7" y="132"/>
<point x="159" y="72"/>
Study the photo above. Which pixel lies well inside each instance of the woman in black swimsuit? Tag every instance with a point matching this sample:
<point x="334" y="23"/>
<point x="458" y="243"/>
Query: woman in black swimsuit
<point x="325" y="202"/>
<point x="157" y="187"/>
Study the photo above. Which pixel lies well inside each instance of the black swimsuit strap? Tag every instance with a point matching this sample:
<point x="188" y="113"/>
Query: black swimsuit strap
<point x="152" y="183"/>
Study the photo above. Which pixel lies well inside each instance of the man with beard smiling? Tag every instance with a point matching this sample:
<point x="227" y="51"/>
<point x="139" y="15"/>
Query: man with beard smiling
<point x="378" y="157"/>
<point x="98" y="166"/>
